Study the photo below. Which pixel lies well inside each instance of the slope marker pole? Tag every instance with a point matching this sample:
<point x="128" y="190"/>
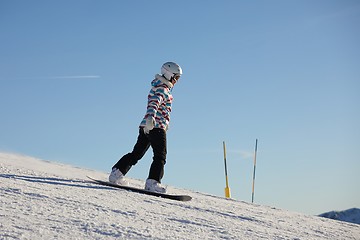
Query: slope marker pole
<point x="227" y="189"/>
<point x="253" y="183"/>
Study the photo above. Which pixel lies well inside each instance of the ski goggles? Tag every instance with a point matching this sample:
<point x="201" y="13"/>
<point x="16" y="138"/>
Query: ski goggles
<point x="176" y="76"/>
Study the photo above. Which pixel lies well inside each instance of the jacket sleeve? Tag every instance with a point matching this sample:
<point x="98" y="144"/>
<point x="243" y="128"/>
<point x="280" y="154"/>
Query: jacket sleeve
<point x="155" y="98"/>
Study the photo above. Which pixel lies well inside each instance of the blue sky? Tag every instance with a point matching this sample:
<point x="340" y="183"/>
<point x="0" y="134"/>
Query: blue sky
<point x="75" y="75"/>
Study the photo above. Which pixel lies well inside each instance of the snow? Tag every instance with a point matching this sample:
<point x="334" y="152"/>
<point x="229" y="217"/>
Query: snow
<point x="47" y="200"/>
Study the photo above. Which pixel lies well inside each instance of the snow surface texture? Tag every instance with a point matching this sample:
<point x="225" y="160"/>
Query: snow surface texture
<point x="45" y="200"/>
<point x="351" y="215"/>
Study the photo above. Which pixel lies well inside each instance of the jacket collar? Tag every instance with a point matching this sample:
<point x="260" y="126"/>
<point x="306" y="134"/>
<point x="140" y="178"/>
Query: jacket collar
<point x="164" y="80"/>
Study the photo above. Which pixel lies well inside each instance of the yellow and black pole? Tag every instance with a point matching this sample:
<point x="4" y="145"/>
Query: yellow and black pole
<point x="227" y="189"/>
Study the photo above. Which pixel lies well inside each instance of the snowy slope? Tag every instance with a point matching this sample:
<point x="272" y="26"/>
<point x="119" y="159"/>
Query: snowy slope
<point x="45" y="200"/>
<point x="351" y="215"/>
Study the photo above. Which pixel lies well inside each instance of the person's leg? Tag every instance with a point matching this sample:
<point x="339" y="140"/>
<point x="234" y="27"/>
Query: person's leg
<point x="130" y="159"/>
<point x="158" y="143"/>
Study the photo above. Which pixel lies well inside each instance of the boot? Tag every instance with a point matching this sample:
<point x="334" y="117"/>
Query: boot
<point x="117" y="177"/>
<point x="154" y="186"/>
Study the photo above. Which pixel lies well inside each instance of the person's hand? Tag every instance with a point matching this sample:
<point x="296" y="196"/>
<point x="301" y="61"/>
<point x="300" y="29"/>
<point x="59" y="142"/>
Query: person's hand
<point x="150" y="123"/>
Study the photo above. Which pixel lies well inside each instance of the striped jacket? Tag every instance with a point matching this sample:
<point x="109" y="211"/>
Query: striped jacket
<point x="159" y="103"/>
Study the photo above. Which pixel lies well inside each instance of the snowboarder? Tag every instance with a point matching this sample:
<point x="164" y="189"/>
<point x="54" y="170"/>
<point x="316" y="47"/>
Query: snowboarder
<point x="152" y="131"/>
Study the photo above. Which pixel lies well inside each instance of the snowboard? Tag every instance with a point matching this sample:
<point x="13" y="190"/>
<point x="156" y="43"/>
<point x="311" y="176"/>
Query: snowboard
<point x="183" y="198"/>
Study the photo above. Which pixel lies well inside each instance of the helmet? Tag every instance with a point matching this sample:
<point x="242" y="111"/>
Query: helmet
<point x="171" y="70"/>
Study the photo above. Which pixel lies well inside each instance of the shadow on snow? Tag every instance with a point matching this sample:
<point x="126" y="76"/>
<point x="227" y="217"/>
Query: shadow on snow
<point x="54" y="181"/>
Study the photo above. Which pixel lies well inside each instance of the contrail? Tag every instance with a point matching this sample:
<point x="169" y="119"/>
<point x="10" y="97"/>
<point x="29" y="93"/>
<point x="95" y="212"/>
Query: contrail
<point x="76" y="77"/>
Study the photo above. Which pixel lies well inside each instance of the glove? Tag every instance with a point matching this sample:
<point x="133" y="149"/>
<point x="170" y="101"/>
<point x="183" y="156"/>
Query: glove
<point x="150" y="123"/>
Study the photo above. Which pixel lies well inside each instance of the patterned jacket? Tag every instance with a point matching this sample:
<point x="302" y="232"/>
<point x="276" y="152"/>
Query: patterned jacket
<point x="159" y="102"/>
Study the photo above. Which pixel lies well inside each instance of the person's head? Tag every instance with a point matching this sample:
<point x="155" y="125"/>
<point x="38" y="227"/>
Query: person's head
<point x="171" y="71"/>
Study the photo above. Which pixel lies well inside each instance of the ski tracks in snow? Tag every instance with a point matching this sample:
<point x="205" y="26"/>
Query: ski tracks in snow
<point x="47" y="200"/>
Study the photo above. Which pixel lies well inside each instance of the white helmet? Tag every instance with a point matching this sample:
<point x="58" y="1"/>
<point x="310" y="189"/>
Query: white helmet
<point x="171" y="70"/>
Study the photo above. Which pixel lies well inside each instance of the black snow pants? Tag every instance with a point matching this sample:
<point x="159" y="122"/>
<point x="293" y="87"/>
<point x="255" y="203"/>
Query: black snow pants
<point x="157" y="140"/>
